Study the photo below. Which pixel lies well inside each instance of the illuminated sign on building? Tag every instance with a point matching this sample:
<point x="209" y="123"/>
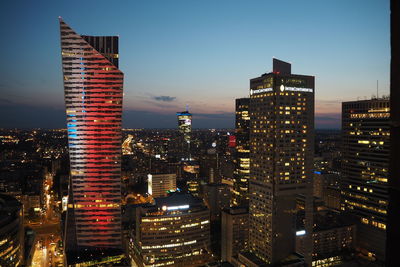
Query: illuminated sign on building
<point x="301" y="232"/>
<point x="232" y="141"/>
<point x="298" y="89"/>
<point x="181" y="207"/>
<point x="281" y="88"/>
<point x="262" y="90"/>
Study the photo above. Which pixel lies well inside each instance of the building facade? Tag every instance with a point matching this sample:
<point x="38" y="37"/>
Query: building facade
<point x="365" y="164"/>
<point x="93" y="87"/>
<point x="217" y="197"/>
<point x="234" y="232"/>
<point x="185" y="130"/>
<point x="334" y="238"/>
<point x="281" y="160"/>
<point x="175" y="231"/>
<point x="11" y="231"/>
<point x="240" y="196"/>
<point x="158" y="185"/>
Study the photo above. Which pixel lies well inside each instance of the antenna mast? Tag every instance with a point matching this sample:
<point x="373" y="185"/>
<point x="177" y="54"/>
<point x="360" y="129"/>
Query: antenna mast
<point x="377" y="89"/>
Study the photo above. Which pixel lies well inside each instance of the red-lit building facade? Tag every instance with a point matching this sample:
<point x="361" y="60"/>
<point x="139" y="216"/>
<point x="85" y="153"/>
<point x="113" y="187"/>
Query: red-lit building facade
<point x="93" y="87"/>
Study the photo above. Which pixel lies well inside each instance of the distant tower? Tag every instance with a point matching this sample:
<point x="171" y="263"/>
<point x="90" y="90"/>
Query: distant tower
<point x="281" y="161"/>
<point x="365" y="167"/>
<point x="93" y="87"/>
<point x="185" y="129"/>
<point x="241" y="173"/>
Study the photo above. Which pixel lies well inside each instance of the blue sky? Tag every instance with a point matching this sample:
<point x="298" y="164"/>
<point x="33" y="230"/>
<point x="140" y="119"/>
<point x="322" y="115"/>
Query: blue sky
<point x="200" y="53"/>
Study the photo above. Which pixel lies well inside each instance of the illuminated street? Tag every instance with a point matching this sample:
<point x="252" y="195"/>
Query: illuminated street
<point x="47" y="253"/>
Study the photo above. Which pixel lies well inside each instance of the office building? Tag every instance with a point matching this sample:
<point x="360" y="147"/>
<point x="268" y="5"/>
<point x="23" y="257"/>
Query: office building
<point x="365" y="164"/>
<point x="93" y="87"/>
<point x="185" y="130"/>
<point x="234" y="232"/>
<point x="332" y="197"/>
<point x="11" y="231"/>
<point x="241" y="173"/>
<point x="393" y="219"/>
<point x="319" y="184"/>
<point x="334" y="238"/>
<point x="281" y="161"/>
<point x="217" y="197"/>
<point x="158" y="185"/>
<point x="174" y="231"/>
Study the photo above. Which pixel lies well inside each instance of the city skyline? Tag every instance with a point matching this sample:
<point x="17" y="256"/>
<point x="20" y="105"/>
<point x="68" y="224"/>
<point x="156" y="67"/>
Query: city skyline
<point x="200" y="54"/>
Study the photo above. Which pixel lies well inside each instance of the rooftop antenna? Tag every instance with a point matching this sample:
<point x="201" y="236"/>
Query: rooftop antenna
<point x="377" y="89"/>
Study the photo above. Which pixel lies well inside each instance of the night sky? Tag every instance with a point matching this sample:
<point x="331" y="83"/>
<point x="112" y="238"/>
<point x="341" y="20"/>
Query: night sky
<point x="200" y="53"/>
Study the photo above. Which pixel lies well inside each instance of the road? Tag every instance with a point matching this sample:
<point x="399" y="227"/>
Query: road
<point x="47" y="253"/>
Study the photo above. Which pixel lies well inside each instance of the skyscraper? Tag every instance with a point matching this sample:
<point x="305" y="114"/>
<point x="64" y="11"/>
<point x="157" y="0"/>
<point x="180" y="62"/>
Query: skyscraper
<point x="93" y="87"/>
<point x="281" y="160"/>
<point x="241" y="173"/>
<point x="365" y="166"/>
<point x="185" y="130"/>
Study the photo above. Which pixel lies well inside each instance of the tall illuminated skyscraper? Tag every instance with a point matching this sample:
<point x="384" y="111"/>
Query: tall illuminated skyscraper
<point x="93" y="87"/>
<point x="365" y="167"/>
<point x="241" y="173"/>
<point x="281" y="161"/>
<point x="185" y="129"/>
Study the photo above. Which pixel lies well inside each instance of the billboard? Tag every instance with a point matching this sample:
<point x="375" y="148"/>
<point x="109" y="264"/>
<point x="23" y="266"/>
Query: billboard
<point x="232" y="141"/>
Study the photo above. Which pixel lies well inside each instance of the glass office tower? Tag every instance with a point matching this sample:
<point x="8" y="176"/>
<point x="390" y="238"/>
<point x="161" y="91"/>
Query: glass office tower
<point x="240" y="196"/>
<point x="365" y="166"/>
<point x="93" y="87"/>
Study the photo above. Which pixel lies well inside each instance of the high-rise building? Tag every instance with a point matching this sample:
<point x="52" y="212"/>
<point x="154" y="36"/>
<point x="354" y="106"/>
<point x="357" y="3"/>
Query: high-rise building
<point x="185" y="130"/>
<point x="241" y="173"/>
<point x="158" y="185"/>
<point x="93" y="87"/>
<point x="217" y="198"/>
<point x="281" y="161"/>
<point x="11" y="231"/>
<point x="175" y="231"/>
<point x="234" y="232"/>
<point x="365" y="164"/>
<point x="393" y="219"/>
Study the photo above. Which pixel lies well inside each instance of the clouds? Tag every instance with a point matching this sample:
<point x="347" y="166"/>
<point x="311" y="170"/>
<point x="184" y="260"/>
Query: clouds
<point x="164" y="98"/>
<point x="5" y="100"/>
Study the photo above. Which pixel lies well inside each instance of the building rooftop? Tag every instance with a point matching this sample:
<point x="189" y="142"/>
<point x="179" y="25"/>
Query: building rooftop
<point x="177" y="199"/>
<point x="328" y="219"/>
<point x="236" y="210"/>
